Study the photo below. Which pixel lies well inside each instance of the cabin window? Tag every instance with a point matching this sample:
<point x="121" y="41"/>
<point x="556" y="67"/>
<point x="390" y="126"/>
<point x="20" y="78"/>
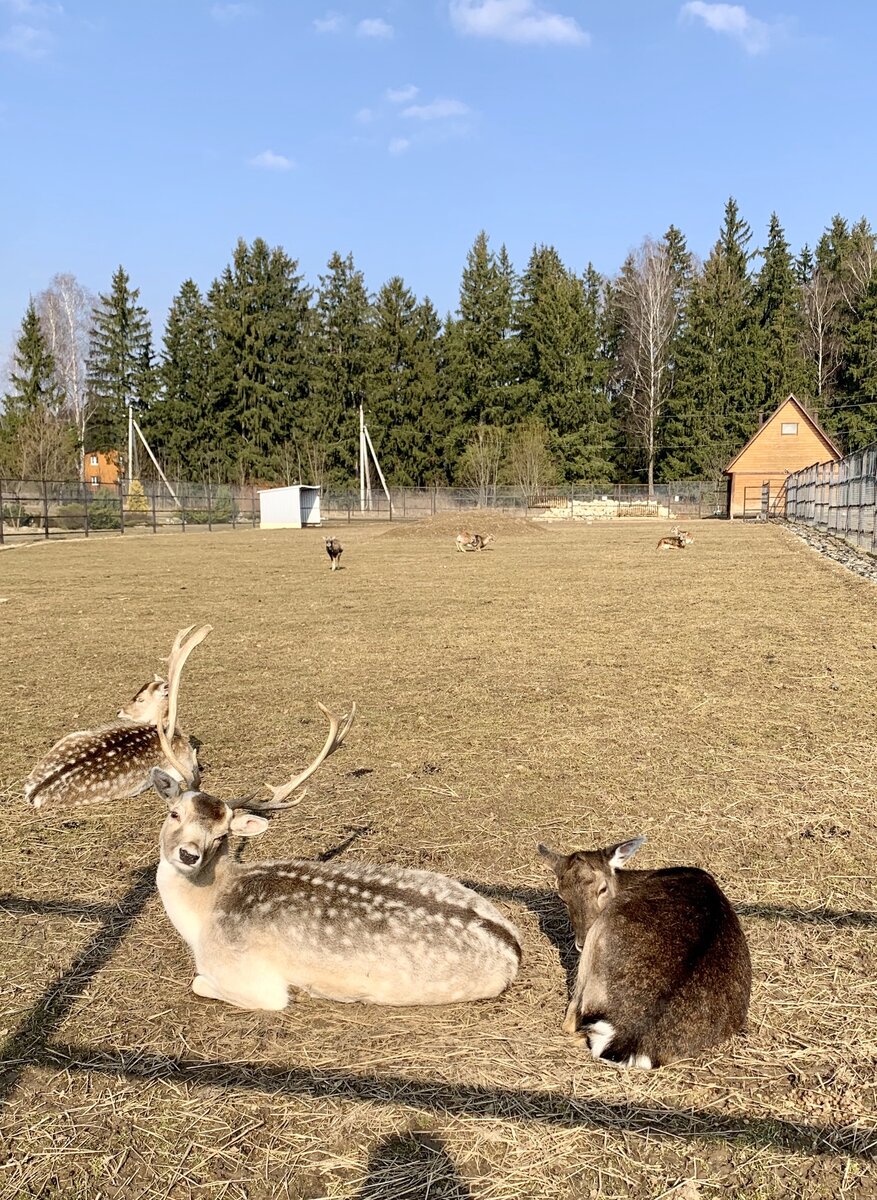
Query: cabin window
<point x="94" y="460"/>
<point x="790" y="428"/>
<point x="95" y="481"/>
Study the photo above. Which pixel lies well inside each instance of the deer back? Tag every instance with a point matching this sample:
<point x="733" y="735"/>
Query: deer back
<point x="95" y="765"/>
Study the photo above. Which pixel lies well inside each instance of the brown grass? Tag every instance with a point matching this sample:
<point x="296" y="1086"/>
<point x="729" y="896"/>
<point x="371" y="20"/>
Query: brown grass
<point x="570" y="685"/>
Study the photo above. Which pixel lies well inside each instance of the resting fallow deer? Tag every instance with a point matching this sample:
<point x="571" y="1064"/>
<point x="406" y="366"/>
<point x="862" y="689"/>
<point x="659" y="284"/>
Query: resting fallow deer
<point x="114" y="761"/>
<point x="664" y="971"/>
<point x="671" y="543"/>
<point x="472" y="541"/>
<point x="341" y="931"/>
<point x="334" y="550"/>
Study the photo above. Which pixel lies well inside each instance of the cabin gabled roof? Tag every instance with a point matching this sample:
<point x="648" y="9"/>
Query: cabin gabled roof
<point x="834" y="450"/>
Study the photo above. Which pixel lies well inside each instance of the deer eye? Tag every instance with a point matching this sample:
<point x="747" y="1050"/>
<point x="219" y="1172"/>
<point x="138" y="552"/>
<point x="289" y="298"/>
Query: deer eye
<point x="174" y="815"/>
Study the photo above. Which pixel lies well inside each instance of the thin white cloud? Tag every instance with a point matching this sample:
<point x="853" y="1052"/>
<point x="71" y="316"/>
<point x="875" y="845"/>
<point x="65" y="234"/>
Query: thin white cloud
<point x="516" y="21"/>
<point x="27" y="42"/>
<point x="401" y="95"/>
<point x="32" y="8"/>
<point x="365" y="116"/>
<point x="734" y="21"/>
<point x="331" y="23"/>
<point x="226" y="13"/>
<point x="438" y="110"/>
<point x="269" y="161"/>
<point x="374" y="27"/>
<point x="398" y="145"/>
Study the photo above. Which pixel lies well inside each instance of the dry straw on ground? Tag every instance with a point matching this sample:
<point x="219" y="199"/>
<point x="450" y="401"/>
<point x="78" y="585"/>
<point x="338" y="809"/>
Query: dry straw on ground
<point x="570" y="685"/>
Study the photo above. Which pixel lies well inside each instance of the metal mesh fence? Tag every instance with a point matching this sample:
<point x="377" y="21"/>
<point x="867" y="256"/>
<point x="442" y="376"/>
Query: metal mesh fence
<point x="48" y="509"/>
<point x="838" y="497"/>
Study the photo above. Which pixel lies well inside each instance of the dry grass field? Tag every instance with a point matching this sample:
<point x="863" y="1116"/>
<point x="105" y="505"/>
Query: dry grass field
<point x="568" y="685"/>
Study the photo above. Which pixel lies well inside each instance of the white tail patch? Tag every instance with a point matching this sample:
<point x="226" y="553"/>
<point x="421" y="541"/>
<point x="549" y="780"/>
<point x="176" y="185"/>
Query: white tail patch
<point x="600" y="1036"/>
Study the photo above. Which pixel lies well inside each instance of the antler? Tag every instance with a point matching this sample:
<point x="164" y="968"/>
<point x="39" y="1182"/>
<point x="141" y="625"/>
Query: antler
<point x="338" y="730"/>
<point x="177" y="660"/>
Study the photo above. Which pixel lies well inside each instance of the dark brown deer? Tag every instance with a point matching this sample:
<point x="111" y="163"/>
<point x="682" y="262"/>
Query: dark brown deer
<point x="334" y="550"/>
<point x="472" y="541"/>
<point x="664" y="971"/>
<point x="340" y="931"/>
<point x="114" y="761"/>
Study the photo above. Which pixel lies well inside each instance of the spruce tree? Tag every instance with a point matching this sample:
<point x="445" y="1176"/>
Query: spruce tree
<point x="35" y="436"/>
<point x="718" y="392"/>
<point x="183" y="428"/>
<point x="777" y="300"/>
<point x="481" y="351"/>
<point x="120" y="367"/>
<point x="564" y="376"/>
<point x="259" y="326"/>
<point x="407" y="423"/>
<point x="341" y="367"/>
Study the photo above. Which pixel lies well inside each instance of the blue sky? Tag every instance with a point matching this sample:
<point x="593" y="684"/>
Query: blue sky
<point x="154" y="134"/>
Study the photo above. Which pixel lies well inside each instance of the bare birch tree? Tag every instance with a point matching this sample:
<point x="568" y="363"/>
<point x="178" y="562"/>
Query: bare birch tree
<point x="480" y="462"/>
<point x="529" y="462"/>
<point x="66" y="309"/>
<point x="821" y="301"/>
<point x="648" y="308"/>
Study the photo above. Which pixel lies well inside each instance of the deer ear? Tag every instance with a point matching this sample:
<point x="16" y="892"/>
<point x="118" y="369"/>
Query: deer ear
<point x="166" y="786"/>
<point x="247" y="824"/>
<point x="558" y="861"/>
<point x="618" y="855"/>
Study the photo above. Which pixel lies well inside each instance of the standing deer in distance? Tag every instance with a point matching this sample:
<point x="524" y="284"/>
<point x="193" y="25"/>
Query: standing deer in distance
<point x="664" y="971"/>
<point x="114" y="761"/>
<point x="340" y="931"/>
<point x="472" y="541"/>
<point x="334" y="550"/>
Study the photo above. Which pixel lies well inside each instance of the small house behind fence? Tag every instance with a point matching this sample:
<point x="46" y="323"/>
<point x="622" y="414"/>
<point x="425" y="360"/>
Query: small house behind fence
<point x="294" y="507"/>
<point x="787" y="441"/>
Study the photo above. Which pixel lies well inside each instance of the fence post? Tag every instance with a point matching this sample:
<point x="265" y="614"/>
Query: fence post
<point x="121" y="506"/>
<point x="209" y="509"/>
<point x="253" y="505"/>
<point x="233" y="496"/>
<point x="1" y="512"/>
<point x="45" y="509"/>
<point x="432" y="497"/>
<point x="154" y="521"/>
<point x="85" y="489"/>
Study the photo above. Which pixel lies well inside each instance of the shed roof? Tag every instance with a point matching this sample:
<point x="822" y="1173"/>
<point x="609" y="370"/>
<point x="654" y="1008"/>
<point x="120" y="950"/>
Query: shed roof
<point x="833" y="449"/>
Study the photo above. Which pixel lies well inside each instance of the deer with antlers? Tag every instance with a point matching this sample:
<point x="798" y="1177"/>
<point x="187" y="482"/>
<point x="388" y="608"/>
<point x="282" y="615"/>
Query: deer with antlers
<point x="114" y="761"/>
<point x="341" y="931"/>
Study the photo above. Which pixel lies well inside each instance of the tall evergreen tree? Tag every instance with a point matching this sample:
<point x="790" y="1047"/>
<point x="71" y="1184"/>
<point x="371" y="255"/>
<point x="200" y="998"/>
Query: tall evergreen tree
<point x="718" y="391"/>
<point x="777" y="300"/>
<point x="36" y="436"/>
<point x="481" y="351"/>
<point x="120" y="367"/>
<point x="182" y="425"/>
<point x="564" y="376"/>
<point x="342" y="365"/>
<point x="259" y="318"/>
<point x="408" y="426"/>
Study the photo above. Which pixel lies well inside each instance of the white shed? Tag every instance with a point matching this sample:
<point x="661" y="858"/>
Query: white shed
<point x="289" y="507"/>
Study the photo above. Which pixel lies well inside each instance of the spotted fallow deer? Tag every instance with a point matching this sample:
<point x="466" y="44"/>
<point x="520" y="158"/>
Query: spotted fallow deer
<point x="664" y="971"/>
<point x="334" y="550"/>
<point x="114" y="761"/>
<point x="338" y="930"/>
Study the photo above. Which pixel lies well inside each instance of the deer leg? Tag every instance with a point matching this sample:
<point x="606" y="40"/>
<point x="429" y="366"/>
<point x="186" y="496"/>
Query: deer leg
<point x="271" y="995"/>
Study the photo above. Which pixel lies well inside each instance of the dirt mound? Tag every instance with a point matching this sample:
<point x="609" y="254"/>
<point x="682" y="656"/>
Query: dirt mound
<point x="476" y="520"/>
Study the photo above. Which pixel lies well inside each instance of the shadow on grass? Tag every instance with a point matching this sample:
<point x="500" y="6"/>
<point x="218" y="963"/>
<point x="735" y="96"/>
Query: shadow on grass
<point x="414" y="1165"/>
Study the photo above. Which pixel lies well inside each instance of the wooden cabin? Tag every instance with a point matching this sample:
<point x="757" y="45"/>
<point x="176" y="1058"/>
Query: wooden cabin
<point x="101" y="469"/>
<point x="787" y="441"/>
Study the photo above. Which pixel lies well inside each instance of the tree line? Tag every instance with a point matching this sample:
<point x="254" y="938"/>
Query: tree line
<point x="544" y="376"/>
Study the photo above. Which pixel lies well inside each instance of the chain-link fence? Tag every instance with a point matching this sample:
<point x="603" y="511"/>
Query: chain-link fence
<point x="46" y="509"/>
<point x="838" y="497"/>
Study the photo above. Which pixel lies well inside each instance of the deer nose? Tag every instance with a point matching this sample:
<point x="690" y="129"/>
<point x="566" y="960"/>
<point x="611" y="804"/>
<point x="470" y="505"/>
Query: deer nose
<point x="187" y="857"/>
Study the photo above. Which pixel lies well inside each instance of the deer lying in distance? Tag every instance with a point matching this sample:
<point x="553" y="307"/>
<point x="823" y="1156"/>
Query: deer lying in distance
<point x="341" y="931"/>
<point x="114" y="761"/>
<point x="334" y="550"/>
<point x="684" y="535"/>
<point x="664" y="971"/>
<point x="670" y="543"/>
<point x="472" y="541"/>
